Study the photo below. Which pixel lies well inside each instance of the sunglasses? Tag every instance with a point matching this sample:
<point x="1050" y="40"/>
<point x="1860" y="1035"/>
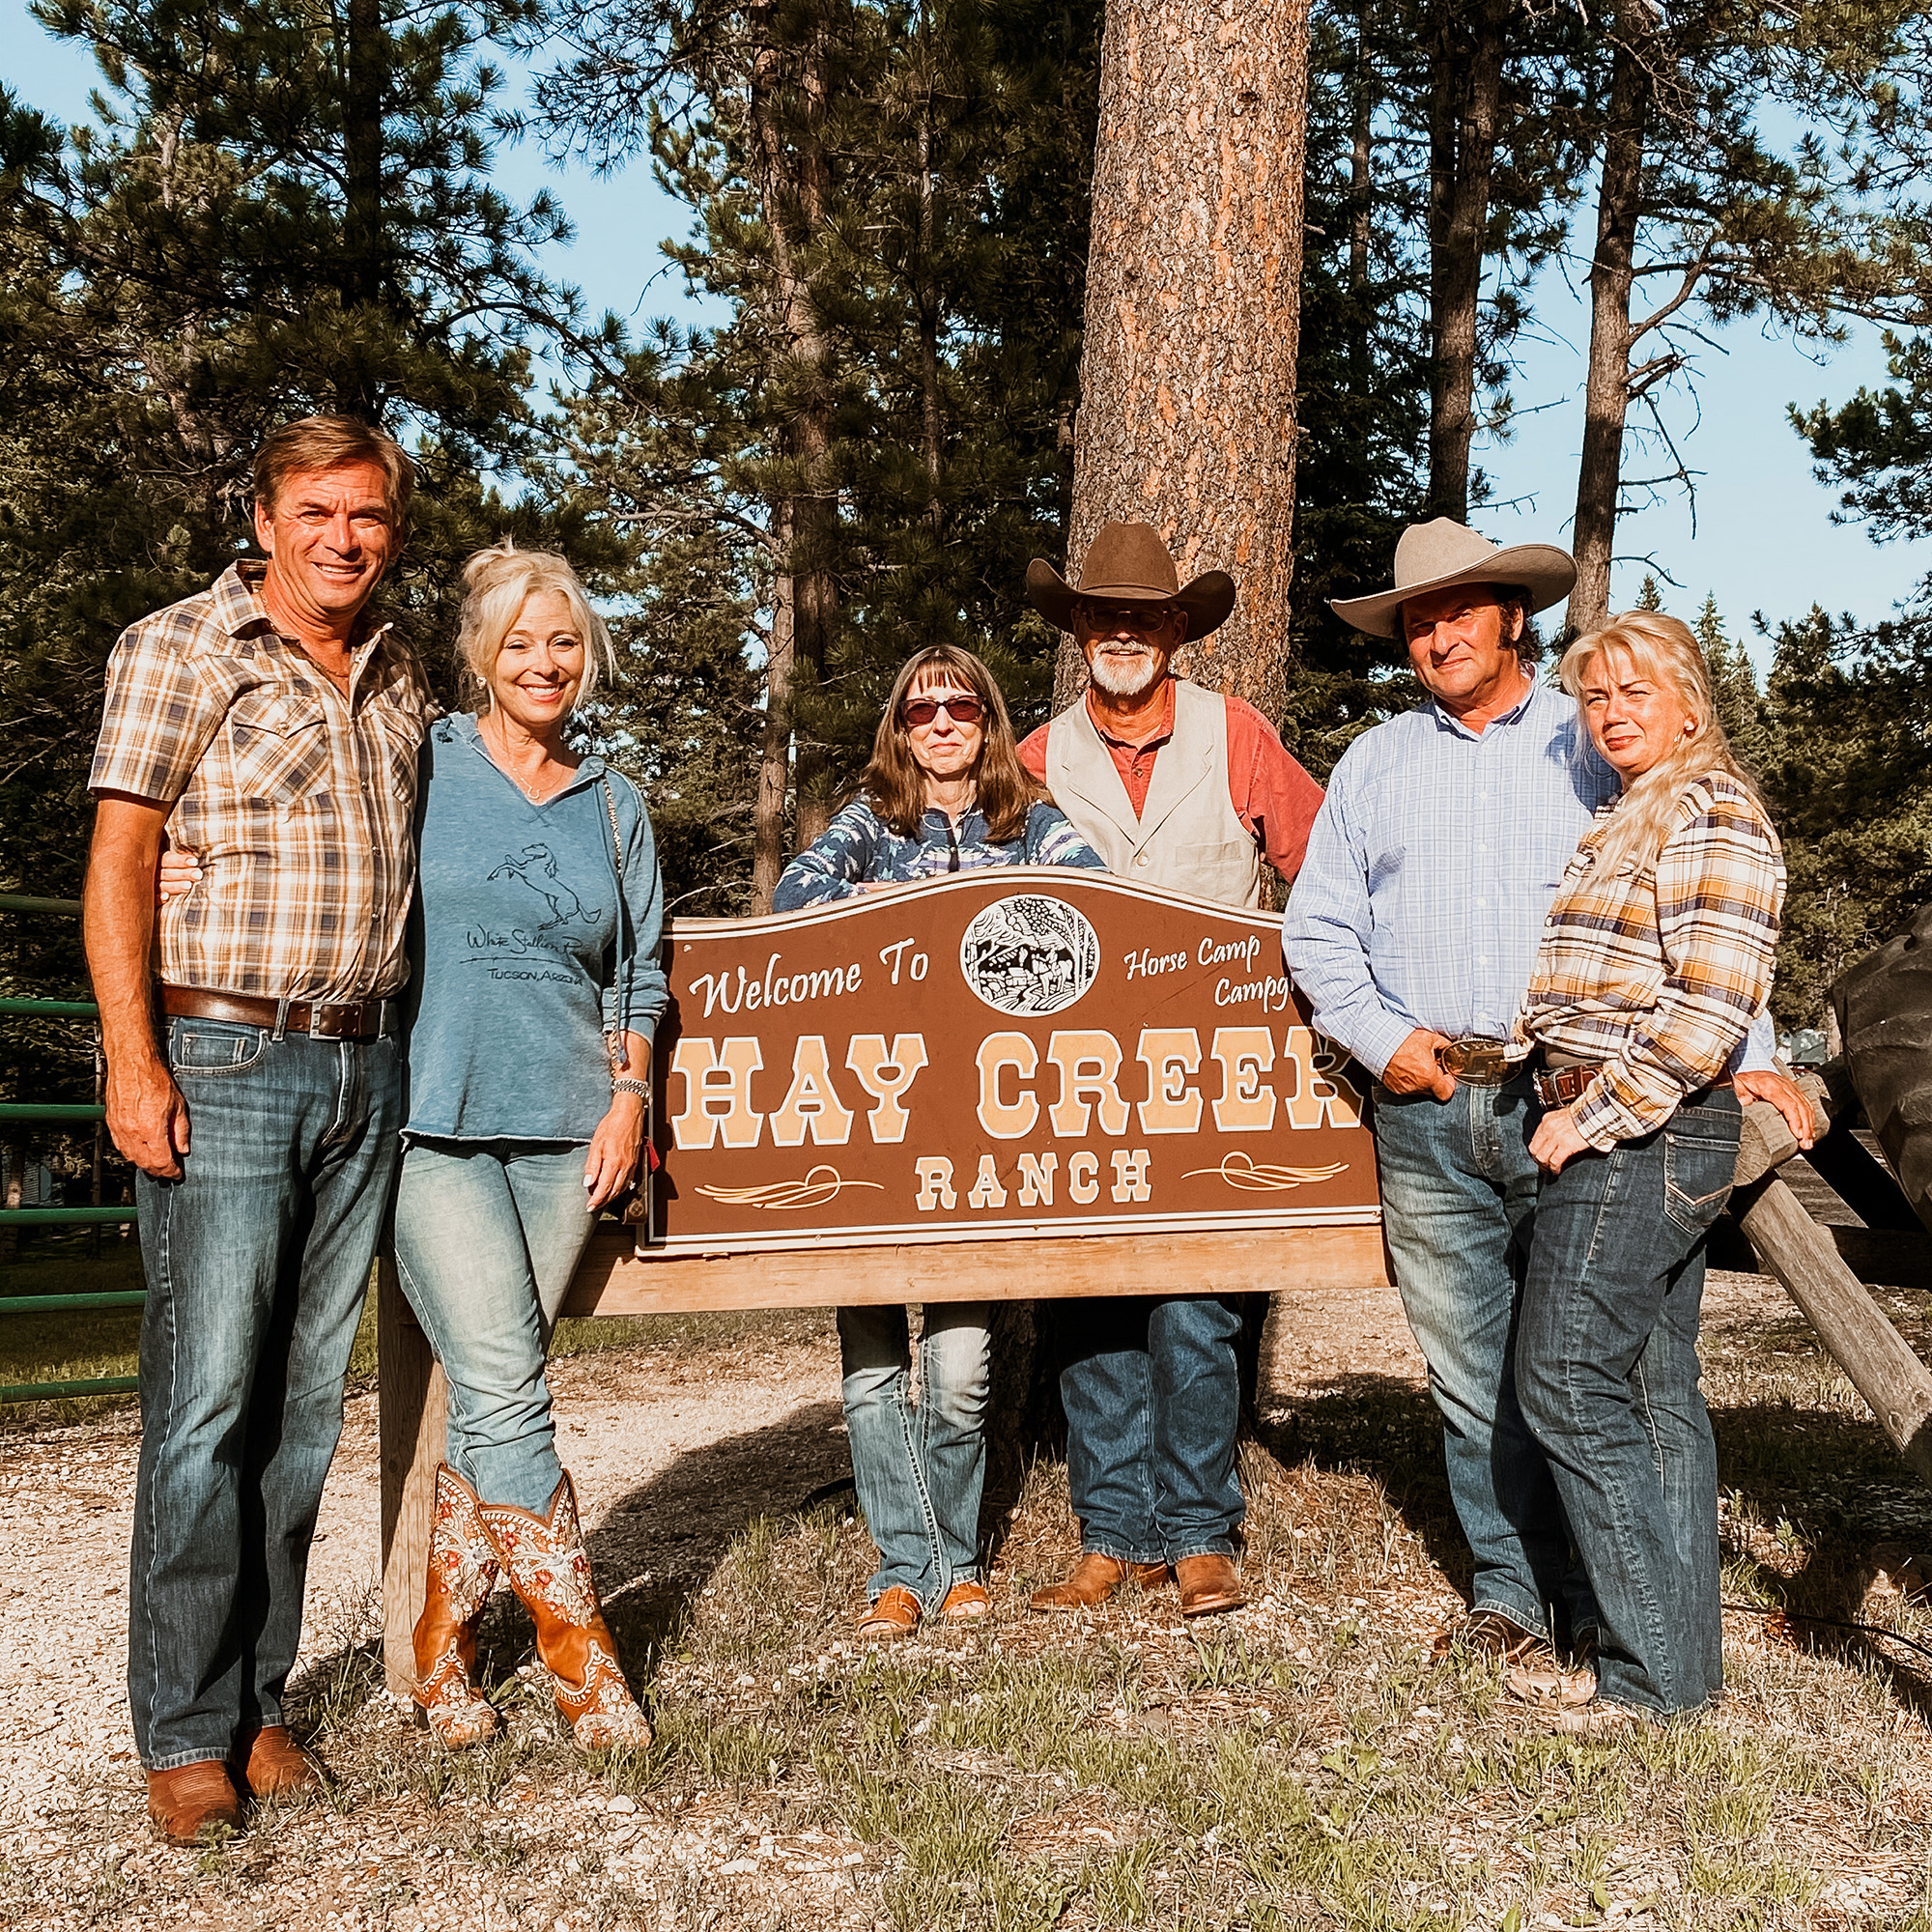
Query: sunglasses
<point x="918" y="711"/>
<point x="1143" y="618"/>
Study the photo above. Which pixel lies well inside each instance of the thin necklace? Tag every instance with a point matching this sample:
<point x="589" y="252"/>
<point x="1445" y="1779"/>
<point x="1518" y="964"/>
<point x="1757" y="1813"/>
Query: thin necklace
<point x="535" y="793"/>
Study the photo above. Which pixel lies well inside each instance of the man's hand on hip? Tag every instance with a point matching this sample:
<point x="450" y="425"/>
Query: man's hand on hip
<point x="1414" y="1067"/>
<point x="147" y="1115"/>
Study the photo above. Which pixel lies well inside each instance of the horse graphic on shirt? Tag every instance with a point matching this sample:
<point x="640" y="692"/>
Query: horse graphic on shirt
<point x="535" y="867"/>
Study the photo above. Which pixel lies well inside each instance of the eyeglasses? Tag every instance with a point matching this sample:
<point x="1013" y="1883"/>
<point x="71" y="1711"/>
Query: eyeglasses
<point x="1145" y="619"/>
<point x="922" y="711"/>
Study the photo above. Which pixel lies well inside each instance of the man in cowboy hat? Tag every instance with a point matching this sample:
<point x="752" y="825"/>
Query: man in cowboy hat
<point x="1413" y="932"/>
<point x="1178" y="786"/>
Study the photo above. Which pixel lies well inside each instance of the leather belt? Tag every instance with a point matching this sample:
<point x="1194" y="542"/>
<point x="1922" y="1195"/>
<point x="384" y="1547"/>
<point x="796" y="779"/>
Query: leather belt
<point x="341" y="1019"/>
<point x="1558" y="1086"/>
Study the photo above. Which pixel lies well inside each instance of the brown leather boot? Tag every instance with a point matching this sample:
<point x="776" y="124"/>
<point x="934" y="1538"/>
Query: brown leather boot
<point x="462" y="1573"/>
<point x="545" y="1560"/>
<point x="1208" y="1584"/>
<point x="268" y="1763"/>
<point x="1093" y="1580"/>
<point x="193" y="1803"/>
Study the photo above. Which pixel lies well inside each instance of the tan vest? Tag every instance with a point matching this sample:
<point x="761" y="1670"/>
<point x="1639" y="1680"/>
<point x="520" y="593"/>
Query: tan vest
<point x="1189" y="839"/>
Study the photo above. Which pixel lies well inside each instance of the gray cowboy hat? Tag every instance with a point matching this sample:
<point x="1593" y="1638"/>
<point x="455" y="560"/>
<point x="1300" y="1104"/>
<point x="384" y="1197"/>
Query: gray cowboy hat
<point x="1127" y="564"/>
<point x="1434" y="555"/>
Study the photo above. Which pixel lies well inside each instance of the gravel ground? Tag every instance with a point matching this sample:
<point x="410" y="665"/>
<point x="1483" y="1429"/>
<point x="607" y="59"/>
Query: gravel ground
<point x="675" y="1448"/>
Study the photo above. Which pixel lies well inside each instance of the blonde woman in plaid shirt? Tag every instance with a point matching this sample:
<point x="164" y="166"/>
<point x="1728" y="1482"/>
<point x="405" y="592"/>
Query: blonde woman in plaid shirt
<point x="1657" y="956"/>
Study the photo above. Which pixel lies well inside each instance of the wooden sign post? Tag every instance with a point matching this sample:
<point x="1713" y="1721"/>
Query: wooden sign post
<point x="1019" y="1082"/>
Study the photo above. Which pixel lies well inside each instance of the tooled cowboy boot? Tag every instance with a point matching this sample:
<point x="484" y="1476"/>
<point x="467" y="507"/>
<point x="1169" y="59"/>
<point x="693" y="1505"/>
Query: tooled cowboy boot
<point x="544" y="1558"/>
<point x="462" y="1573"/>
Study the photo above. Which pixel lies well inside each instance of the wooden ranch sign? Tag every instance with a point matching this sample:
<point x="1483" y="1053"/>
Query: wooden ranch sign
<point x="1001" y="1054"/>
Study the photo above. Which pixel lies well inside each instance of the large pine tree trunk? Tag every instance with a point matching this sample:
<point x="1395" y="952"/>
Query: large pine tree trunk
<point x="1465" y="77"/>
<point x="1187" y="417"/>
<point x="1606" y="386"/>
<point x="792" y="174"/>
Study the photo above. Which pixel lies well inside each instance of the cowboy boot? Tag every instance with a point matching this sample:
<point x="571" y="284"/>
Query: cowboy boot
<point x="544" y="1558"/>
<point x="462" y="1573"/>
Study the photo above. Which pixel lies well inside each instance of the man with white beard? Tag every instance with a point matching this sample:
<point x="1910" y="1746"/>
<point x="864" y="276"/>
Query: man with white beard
<point x="1175" y="786"/>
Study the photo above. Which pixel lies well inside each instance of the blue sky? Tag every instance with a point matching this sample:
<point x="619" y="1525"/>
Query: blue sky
<point x="1764" y="540"/>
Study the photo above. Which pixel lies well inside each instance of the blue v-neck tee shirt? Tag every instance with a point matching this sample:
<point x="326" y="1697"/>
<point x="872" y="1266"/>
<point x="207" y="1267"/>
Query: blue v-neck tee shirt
<point x="514" y="946"/>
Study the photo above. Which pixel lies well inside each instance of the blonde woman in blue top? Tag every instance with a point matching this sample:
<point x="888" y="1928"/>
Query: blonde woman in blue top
<point x="945" y="792"/>
<point x="534" y="989"/>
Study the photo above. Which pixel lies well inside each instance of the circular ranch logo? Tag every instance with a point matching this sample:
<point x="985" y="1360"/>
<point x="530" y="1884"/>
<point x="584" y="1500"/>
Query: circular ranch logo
<point x="1029" y="955"/>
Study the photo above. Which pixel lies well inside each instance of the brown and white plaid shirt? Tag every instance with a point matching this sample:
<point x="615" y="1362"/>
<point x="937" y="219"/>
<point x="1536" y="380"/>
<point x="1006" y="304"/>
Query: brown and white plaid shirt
<point x="299" y="802"/>
<point x="1659" y="973"/>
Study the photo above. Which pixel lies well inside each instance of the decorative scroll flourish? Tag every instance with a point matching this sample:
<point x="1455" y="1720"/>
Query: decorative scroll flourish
<point x="820" y="1186"/>
<point x="1239" y="1169"/>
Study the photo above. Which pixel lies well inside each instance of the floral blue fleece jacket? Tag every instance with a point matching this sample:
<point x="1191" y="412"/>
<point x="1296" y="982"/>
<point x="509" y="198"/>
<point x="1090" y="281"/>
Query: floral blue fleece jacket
<point x="858" y="847"/>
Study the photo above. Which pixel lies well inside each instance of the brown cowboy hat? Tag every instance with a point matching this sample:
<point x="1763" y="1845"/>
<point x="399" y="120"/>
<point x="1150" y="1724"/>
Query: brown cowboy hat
<point x="1434" y="555"/>
<point x="1127" y="564"/>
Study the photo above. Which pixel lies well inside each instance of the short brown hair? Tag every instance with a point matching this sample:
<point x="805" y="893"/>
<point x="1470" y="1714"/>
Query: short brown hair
<point x="311" y="444"/>
<point x="1005" y="791"/>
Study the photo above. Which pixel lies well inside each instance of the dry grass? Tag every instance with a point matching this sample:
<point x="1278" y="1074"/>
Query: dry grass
<point x="1307" y="1762"/>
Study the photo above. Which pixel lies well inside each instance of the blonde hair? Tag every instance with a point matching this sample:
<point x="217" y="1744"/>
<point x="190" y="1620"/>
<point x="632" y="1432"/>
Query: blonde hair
<point x="1005" y="791"/>
<point x="1664" y="650"/>
<point x="496" y="583"/>
<point x="312" y="443"/>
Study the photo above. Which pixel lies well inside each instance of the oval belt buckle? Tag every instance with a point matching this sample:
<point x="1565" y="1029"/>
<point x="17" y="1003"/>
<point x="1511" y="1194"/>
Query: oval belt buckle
<point x="1476" y="1060"/>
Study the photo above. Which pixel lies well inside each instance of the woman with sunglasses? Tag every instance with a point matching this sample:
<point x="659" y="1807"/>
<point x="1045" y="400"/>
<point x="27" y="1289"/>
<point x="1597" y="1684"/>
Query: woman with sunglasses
<point x="944" y="791"/>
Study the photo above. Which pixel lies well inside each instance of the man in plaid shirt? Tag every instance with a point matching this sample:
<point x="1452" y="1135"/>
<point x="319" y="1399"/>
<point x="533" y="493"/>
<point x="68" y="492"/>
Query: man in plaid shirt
<point x="268" y="724"/>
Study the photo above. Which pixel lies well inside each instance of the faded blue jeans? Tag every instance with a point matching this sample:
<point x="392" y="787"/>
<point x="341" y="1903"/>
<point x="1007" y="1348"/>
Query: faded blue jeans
<point x="258" y="1264"/>
<point x="1152" y="1394"/>
<point x="918" y="1470"/>
<point x="1607" y="1365"/>
<point x="1458" y="1191"/>
<point x="488" y="1235"/>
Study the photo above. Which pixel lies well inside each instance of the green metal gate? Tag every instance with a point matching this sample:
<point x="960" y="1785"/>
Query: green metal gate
<point x="62" y="1111"/>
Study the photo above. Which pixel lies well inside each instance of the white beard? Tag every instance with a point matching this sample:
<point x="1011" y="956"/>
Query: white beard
<point x="1127" y="678"/>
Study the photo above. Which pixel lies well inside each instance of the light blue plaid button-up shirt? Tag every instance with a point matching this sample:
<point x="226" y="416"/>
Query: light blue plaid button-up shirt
<point x="1430" y="870"/>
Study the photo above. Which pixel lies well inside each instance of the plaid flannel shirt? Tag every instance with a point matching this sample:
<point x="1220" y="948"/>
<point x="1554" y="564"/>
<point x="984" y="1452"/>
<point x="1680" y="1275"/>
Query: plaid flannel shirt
<point x="1658" y="973"/>
<point x="298" y="801"/>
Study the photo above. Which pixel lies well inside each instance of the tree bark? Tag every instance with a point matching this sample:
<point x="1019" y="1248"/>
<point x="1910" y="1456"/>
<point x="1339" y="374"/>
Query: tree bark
<point x="792" y="173"/>
<point x="1606" y="386"/>
<point x="1465" y="79"/>
<point x="1187" y="413"/>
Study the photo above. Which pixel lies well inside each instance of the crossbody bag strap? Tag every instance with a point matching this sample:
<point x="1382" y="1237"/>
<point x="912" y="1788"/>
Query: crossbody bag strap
<point x="613" y="1040"/>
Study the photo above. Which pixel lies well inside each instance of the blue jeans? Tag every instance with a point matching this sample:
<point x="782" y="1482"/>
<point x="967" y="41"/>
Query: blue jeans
<point x="1152" y="1396"/>
<point x="1607" y="1364"/>
<point x="918" y="1470"/>
<point x="488" y="1235"/>
<point x="1459" y="1190"/>
<point x="258" y="1265"/>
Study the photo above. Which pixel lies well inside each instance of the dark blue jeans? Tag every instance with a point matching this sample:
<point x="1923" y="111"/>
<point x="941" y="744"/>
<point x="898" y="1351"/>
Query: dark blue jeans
<point x="1153" y="1401"/>
<point x="1459" y="1190"/>
<point x="257" y="1263"/>
<point x="1607" y="1370"/>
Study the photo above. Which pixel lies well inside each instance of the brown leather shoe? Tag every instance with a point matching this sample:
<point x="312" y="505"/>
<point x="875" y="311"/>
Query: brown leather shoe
<point x="965" y="1602"/>
<point x="270" y="1764"/>
<point x="193" y="1801"/>
<point x="1209" y="1585"/>
<point x="895" y="1613"/>
<point x="1093" y="1580"/>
